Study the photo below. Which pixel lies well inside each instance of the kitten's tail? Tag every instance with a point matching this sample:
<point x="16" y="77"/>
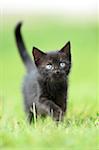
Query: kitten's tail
<point x="22" y="49"/>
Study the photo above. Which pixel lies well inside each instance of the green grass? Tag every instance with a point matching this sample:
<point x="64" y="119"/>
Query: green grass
<point x="80" y="129"/>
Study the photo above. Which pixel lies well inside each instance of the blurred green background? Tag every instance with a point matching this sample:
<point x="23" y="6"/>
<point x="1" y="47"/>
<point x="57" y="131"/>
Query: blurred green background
<point x="50" y="33"/>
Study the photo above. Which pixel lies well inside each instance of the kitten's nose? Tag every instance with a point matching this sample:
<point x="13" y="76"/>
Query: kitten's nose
<point x="57" y="72"/>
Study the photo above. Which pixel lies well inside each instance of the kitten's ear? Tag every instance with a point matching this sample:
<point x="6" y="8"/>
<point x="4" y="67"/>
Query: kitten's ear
<point x="67" y="50"/>
<point x="38" y="54"/>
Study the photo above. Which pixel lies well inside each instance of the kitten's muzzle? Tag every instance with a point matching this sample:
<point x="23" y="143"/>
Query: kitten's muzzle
<point x="57" y="74"/>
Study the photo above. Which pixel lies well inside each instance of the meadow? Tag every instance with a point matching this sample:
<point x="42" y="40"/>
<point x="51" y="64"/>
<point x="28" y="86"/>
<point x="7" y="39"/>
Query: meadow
<point x="80" y="129"/>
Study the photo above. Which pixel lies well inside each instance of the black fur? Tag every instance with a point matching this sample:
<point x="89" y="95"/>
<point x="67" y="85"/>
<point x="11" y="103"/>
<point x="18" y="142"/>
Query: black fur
<point x="22" y="48"/>
<point x="46" y="83"/>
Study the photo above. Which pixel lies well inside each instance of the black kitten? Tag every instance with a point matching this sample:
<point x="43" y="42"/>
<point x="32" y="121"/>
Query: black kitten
<point x="46" y="82"/>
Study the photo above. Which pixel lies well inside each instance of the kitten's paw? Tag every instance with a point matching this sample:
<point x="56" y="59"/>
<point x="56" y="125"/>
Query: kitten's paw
<point x="57" y="114"/>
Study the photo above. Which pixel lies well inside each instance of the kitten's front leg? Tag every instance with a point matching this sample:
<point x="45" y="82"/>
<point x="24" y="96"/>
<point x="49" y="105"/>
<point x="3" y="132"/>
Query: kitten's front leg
<point x="48" y="107"/>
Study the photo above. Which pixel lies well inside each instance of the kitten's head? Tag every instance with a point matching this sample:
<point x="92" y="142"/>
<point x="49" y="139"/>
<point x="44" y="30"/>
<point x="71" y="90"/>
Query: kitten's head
<point x="54" y="65"/>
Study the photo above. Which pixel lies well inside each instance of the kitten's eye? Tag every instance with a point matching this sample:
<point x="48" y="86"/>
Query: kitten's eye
<point x="62" y="64"/>
<point x="49" y="66"/>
